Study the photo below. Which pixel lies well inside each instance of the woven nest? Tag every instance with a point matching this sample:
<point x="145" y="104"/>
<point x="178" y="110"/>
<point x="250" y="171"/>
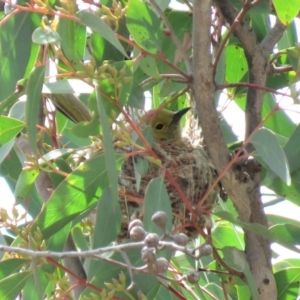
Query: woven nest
<point x="193" y="172"/>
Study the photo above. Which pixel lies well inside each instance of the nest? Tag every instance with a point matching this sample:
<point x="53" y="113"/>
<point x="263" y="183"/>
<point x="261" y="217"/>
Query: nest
<point x="191" y="169"/>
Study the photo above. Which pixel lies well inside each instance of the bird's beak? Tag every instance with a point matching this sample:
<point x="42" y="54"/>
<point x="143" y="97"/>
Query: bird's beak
<point x="178" y="114"/>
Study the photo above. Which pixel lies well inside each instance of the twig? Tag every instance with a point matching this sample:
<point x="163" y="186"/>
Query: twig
<point x="173" y="37"/>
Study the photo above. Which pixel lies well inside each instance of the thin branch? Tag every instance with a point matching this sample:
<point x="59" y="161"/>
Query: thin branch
<point x="173" y="36"/>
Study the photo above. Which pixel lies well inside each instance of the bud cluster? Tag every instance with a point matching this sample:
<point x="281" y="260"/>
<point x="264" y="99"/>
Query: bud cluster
<point x="153" y="244"/>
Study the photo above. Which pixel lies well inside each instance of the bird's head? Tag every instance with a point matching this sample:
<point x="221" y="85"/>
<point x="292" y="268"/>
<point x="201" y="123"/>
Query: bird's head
<point x="165" y="123"/>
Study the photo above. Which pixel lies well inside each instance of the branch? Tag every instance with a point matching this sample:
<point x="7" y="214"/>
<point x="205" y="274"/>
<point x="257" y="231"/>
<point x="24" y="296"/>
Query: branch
<point x="173" y="37"/>
<point x="244" y="194"/>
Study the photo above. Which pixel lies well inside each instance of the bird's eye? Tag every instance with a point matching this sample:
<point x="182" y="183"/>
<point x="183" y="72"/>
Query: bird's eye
<point x="159" y="126"/>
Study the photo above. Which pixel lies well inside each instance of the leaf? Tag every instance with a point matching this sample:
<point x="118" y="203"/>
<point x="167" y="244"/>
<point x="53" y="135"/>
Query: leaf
<point x="287" y="282"/>
<point x="9" y="128"/>
<point x="237" y="260"/>
<point x="287" y="232"/>
<point x="24" y="184"/>
<point x="81" y="189"/>
<point x="236" y="63"/>
<point x="97" y="25"/>
<point x="73" y="41"/>
<point x="109" y="154"/>
<point x="148" y="65"/>
<point x="45" y="35"/>
<point x="11" y="286"/>
<point x="285" y="264"/>
<point x="108" y="220"/>
<point x="156" y="199"/>
<point x="269" y="150"/>
<point x="226" y="235"/>
<point x="33" y="103"/>
<point x="31" y="288"/>
<point x="292" y="150"/>
<point x="107" y="226"/>
<point x="258" y="229"/>
<point x="10" y="266"/>
<point x="70" y="86"/>
<point x="53" y="155"/>
<point x="144" y="26"/>
<point x="15" y="45"/>
<point x="4" y="151"/>
<point x="286" y="11"/>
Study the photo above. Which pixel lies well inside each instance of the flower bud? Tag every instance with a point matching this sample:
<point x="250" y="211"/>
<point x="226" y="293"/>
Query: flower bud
<point x="137" y="233"/>
<point x="160" y="219"/>
<point x="152" y="240"/>
<point x="161" y="265"/>
<point x="192" y="276"/>
<point x="134" y="223"/>
<point x="181" y="239"/>
<point x="148" y="256"/>
<point x="205" y="250"/>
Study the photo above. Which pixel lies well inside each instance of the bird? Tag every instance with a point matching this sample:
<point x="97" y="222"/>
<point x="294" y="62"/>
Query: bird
<point x="165" y="123"/>
<point x="188" y="164"/>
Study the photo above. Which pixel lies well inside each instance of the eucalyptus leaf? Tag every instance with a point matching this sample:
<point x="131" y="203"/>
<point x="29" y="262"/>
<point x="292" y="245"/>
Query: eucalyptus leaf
<point x="269" y="150"/>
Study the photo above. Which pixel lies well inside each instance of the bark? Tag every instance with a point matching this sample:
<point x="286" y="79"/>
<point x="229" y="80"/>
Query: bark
<point x="245" y="194"/>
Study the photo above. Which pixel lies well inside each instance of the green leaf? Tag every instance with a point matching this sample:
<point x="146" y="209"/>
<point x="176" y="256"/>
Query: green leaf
<point x="144" y="26"/>
<point x="11" y="286"/>
<point x="32" y="290"/>
<point x="10" y="266"/>
<point x="287" y="232"/>
<point x="7" y="103"/>
<point x="97" y="25"/>
<point x="287" y="282"/>
<point x="226" y="235"/>
<point x="70" y="86"/>
<point x="81" y="189"/>
<point x="258" y="229"/>
<point x="9" y="128"/>
<point x="108" y="220"/>
<point x="73" y="41"/>
<point x="157" y="199"/>
<point x="286" y="11"/>
<point x="268" y="148"/>
<point x="10" y="168"/>
<point x="236" y="63"/>
<point x="33" y="91"/>
<point x="148" y="65"/>
<point x="80" y="240"/>
<point x="24" y="184"/>
<point x="53" y="155"/>
<point x="260" y="24"/>
<point x="4" y="151"/>
<point x="291" y="192"/>
<point x="285" y="264"/>
<point x="237" y="260"/>
<point x="15" y="49"/>
<point x="107" y="226"/>
<point x="45" y="36"/>
<point x="292" y="150"/>
<point x="109" y="154"/>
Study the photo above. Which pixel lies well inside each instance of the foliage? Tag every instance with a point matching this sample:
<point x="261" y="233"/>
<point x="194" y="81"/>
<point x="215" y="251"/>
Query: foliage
<point x="69" y="74"/>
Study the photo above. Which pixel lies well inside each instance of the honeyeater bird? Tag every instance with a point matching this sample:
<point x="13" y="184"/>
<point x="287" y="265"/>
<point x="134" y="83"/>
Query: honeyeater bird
<point x="165" y="123"/>
<point x="188" y="164"/>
